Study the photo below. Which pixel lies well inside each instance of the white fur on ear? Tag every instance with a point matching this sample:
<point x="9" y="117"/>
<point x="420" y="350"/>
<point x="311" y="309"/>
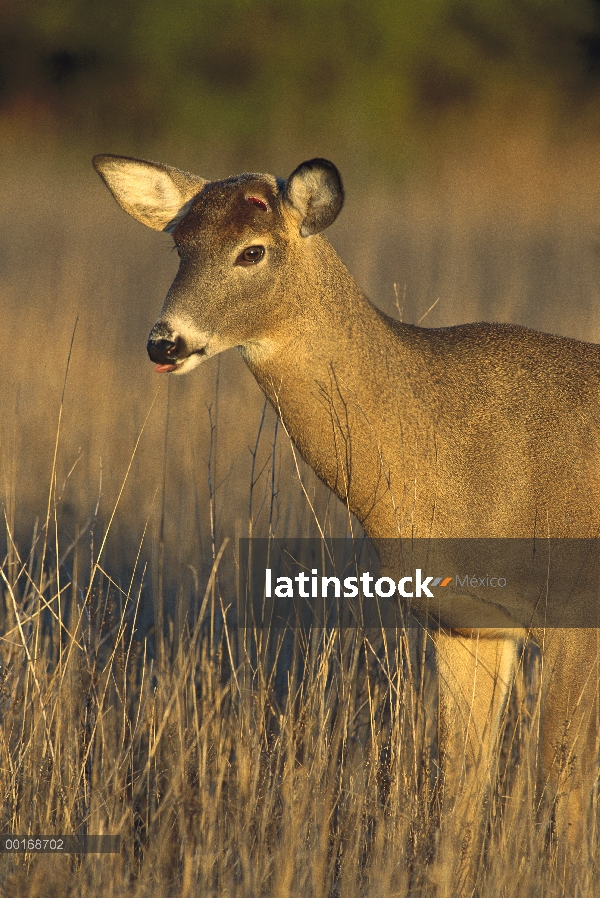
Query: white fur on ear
<point x="157" y="195"/>
<point x="316" y="193"/>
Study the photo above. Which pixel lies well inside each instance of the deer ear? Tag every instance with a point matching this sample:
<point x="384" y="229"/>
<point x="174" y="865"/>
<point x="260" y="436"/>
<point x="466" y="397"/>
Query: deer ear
<point x="157" y="195"/>
<point x="314" y="191"/>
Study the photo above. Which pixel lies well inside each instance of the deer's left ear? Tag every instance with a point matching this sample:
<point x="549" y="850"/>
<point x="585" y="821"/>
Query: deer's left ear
<point x="315" y="192"/>
<point x="157" y="195"/>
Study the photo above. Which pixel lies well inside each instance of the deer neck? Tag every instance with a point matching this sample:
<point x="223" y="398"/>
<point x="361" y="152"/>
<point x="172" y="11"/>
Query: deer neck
<point x="340" y="379"/>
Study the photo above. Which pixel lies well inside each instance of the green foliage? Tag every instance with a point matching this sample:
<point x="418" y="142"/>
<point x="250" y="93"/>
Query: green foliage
<point x="198" y="67"/>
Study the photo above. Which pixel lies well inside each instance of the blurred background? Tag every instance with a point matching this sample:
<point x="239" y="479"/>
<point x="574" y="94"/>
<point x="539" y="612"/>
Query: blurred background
<point x="467" y="133"/>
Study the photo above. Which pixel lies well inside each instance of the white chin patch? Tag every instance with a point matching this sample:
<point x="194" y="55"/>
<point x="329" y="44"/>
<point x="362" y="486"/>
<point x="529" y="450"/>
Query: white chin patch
<point x="189" y="364"/>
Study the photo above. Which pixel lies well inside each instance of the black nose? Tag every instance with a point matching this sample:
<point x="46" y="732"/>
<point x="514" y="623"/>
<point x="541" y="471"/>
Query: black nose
<point x="164" y="347"/>
<point x="162" y="351"/>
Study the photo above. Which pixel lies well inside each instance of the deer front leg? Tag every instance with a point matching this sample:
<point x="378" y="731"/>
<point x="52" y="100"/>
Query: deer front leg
<point x="475" y="677"/>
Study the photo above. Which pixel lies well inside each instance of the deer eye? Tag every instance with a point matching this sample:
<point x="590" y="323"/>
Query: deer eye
<point x="250" y="256"/>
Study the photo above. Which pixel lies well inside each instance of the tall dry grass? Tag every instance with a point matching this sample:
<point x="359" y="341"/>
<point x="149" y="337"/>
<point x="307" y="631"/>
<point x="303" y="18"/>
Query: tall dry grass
<point x="227" y="768"/>
<point x="127" y="706"/>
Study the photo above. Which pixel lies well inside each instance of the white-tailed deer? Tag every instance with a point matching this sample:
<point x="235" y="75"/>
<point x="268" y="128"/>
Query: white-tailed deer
<point x="476" y="430"/>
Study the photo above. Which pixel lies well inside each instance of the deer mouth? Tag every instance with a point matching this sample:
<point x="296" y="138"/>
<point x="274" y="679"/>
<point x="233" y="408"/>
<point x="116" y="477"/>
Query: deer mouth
<point x="161" y="369"/>
<point x="182" y="366"/>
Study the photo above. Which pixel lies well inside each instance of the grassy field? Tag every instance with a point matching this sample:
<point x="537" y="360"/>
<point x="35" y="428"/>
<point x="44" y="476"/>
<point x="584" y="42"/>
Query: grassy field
<point x="127" y="707"/>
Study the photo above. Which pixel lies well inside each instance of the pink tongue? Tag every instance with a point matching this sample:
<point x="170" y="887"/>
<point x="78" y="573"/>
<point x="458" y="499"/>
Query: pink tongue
<point x="162" y="368"/>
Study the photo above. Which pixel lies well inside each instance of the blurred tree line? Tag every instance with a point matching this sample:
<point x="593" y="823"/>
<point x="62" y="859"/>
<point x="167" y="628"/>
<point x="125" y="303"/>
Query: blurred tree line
<point x="376" y="72"/>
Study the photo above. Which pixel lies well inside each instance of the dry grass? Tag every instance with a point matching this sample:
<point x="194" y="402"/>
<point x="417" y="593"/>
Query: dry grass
<point x="222" y="774"/>
<point x="226" y="771"/>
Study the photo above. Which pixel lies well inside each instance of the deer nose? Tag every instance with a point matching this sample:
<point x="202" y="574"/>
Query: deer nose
<point x="162" y="351"/>
<point x="164" y="347"/>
